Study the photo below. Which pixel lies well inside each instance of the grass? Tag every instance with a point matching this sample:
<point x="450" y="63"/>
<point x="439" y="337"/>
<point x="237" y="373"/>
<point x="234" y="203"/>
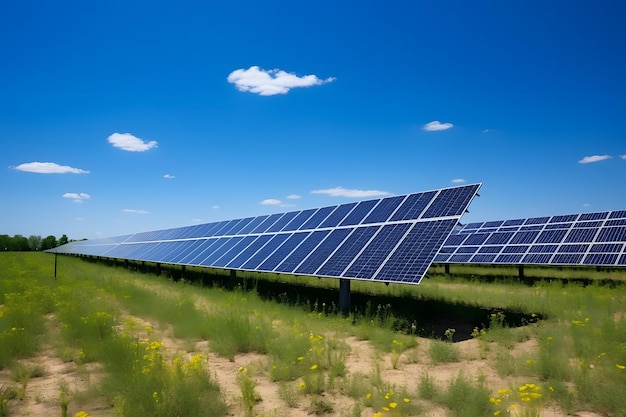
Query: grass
<point x="576" y="331"/>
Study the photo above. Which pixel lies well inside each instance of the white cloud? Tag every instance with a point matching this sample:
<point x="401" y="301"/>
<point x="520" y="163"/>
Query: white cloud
<point x="458" y="180"/>
<point x="168" y="176"/>
<point x="293" y="197"/>
<point x="271" y="202"/>
<point x="134" y="211"/>
<point x="271" y="82"/>
<point x="128" y="142"/>
<point x="343" y="192"/>
<point x="215" y="207"/>
<point x="594" y="158"/>
<point x="77" y="197"/>
<point x="623" y="156"/>
<point x="488" y="130"/>
<point x="49" y="168"/>
<point x="435" y="125"/>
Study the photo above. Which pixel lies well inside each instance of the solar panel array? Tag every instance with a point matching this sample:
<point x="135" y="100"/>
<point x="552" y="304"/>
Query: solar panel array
<point x="391" y="239"/>
<point x="597" y="239"/>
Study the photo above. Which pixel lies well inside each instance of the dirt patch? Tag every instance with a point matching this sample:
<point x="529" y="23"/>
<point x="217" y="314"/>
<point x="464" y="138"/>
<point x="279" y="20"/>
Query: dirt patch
<point x="41" y="397"/>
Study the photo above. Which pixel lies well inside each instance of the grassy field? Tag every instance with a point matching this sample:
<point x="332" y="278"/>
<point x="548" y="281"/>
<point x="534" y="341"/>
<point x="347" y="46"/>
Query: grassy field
<point x="478" y="342"/>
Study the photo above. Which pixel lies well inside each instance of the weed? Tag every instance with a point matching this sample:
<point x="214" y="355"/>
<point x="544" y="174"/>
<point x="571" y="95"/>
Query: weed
<point x="249" y="395"/>
<point x="443" y="352"/>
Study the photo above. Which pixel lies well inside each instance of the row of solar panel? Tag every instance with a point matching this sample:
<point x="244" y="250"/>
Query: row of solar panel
<point x="392" y="239"/>
<point x="552" y="258"/>
<point x="389" y="252"/>
<point x="597" y="219"/>
<point x="427" y="205"/>
<point x="577" y="239"/>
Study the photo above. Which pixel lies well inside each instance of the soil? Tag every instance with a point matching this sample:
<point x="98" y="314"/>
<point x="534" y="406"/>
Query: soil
<point x="41" y="395"/>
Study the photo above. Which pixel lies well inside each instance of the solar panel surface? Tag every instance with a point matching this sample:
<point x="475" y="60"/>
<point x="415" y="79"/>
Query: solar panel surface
<point x="391" y="239"/>
<point x="595" y="239"/>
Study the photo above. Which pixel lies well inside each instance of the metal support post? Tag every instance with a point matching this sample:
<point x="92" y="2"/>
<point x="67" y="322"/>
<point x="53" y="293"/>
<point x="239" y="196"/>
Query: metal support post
<point x="344" y="294"/>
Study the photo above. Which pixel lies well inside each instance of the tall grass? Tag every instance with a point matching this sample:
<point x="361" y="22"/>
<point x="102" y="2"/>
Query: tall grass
<point x="578" y="357"/>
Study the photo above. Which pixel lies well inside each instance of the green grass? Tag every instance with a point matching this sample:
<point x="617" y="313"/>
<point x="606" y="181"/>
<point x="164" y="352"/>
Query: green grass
<point x="578" y="356"/>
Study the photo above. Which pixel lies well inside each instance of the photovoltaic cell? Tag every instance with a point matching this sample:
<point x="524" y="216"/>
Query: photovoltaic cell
<point x="338" y="215"/>
<point x="357" y="215"/>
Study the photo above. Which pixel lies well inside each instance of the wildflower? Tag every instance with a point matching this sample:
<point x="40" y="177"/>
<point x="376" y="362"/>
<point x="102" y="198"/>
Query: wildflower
<point x="620" y="366"/>
<point x="407" y="400"/>
<point x="369" y="395"/>
<point x="393" y="405"/>
<point x="313" y="367"/>
<point x="300" y="358"/>
<point x="497" y="412"/>
<point x="378" y="414"/>
<point x="302" y="385"/>
<point x="386" y="408"/>
<point x="81" y="414"/>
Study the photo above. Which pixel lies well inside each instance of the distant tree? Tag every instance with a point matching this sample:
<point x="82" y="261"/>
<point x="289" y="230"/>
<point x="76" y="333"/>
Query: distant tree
<point x="5" y="242"/>
<point x="49" y="243"/>
<point x="34" y="242"/>
<point x="63" y="240"/>
<point x="19" y="243"/>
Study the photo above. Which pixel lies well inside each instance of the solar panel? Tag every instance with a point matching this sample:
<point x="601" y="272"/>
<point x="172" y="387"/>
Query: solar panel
<point x="576" y="239"/>
<point x="392" y="239"/>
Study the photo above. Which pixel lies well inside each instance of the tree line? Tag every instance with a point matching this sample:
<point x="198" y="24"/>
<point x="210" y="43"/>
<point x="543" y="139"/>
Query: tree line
<point x="32" y="243"/>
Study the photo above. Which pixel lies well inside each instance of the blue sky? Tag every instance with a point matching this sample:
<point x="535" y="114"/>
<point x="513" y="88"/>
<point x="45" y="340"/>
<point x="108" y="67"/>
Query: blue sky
<point x="120" y="117"/>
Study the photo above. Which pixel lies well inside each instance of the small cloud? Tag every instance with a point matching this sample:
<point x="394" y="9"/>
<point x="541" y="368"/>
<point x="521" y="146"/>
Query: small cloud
<point x="49" y="168"/>
<point x="586" y="205"/>
<point x="458" y="180"/>
<point x="215" y="207"/>
<point x="77" y="197"/>
<point x="488" y="130"/>
<point x="271" y="82"/>
<point x="168" y="176"/>
<point x="79" y="219"/>
<point x="134" y="211"/>
<point x="594" y="158"/>
<point x="623" y="156"/>
<point x="435" y="125"/>
<point x="343" y="192"/>
<point x="271" y="202"/>
<point x="293" y="197"/>
<point x="128" y="142"/>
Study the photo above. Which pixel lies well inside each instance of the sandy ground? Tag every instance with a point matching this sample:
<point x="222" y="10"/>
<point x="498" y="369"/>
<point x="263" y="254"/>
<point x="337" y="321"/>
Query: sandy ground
<point x="41" y="396"/>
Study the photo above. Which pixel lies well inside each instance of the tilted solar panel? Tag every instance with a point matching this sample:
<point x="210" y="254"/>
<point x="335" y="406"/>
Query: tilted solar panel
<point x="595" y="239"/>
<point x="392" y="239"/>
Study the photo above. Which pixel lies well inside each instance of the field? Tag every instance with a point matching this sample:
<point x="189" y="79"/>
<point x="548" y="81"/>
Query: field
<point x="113" y="340"/>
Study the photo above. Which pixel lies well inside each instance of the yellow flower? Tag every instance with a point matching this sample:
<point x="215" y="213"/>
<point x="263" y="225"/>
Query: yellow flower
<point x="81" y="414"/>
<point x="406" y="400"/>
<point x="300" y="358"/>
<point x="302" y="385"/>
<point x="385" y="408"/>
<point x="497" y="413"/>
<point x="620" y="366"/>
<point x="393" y="405"/>
<point x="313" y="367"/>
<point x="378" y="414"/>
<point x="369" y="395"/>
